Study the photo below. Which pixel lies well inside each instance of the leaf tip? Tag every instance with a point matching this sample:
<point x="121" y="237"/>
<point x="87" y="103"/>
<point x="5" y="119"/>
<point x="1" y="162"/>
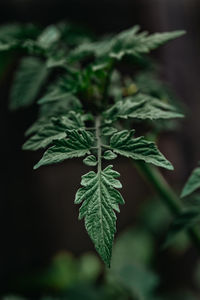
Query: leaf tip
<point x="36" y="166"/>
<point x="171" y="167"/>
<point x="183" y="194"/>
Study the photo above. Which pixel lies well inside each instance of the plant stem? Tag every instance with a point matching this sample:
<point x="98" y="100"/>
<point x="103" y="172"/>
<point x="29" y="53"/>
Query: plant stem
<point x="98" y="137"/>
<point x="107" y="83"/>
<point x="172" y="201"/>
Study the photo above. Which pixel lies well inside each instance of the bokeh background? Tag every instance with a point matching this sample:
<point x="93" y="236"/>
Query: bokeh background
<point x="37" y="215"/>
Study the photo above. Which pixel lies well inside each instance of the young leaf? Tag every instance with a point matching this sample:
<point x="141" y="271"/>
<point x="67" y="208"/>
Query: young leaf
<point x="29" y="78"/>
<point x="77" y="144"/>
<point x="192" y="184"/>
<point x="109" y="155"/>
<point x="107" y="130"/>
<point x="90" y="161"/>
<point x="141" y="107"/>
<point x="138" y="149"/>
<point x="100" y="198"/>
<point x="48" y="37"/>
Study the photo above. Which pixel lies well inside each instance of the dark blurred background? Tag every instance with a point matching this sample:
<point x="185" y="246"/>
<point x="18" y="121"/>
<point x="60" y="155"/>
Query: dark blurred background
<point x="38" y="217"/>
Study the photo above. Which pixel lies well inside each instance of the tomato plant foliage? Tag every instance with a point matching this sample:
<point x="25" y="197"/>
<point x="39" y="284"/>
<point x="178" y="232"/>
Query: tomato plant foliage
<point x="87" y="108"/>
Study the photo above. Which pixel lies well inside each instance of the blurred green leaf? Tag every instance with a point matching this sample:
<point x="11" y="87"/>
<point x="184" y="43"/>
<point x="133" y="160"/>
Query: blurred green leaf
<point x="132" y="253"/>
<point x="183" y="222"/>
<point x="28" y="81"/>
<point x="192" y="184"/>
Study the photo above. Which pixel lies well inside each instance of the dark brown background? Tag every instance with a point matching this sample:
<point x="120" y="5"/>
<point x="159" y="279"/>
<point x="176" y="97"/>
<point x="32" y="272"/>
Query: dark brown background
<point x="37" y="214"/>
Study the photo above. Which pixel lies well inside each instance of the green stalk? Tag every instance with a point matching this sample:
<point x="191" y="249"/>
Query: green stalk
<point x="107" y="83"/>
<point x="153" y="176"/>
<point x="98" y="137"/>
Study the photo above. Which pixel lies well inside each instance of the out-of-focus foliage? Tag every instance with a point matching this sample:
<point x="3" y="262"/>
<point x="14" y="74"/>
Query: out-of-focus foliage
<point x="193" y="183"/>
<point x="132" y="276"/>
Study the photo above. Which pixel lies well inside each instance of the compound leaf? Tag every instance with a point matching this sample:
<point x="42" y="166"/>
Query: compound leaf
<point x="29" y="78"/>
<point x="100" y="199"/>
<point x="138" y="149"/>
<point x="141" y="107"/>
<point x="131" y="43"/>
<point x="77" y="144"/>
<point x="128" y="42"/>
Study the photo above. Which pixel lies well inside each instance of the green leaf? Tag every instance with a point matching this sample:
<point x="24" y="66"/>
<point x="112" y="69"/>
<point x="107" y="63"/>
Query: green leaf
<point x="109" y="155"/>
<point x="57" y="95"/>
<point x="71" y="120"/>
<point x="149" y="83"/>
<point x="48" y="37"/>
<point x="13" y="35"/>
<point x="100" y="199"/>
<point x="28" y="81"/>
<point x="89" y="268"/>
<point x="44" y="137"/>
<point x="138" y="149"/>
<point x="54" y="129"/>
<point x="10" y="32"/>
<point x="127" y="42"/>
<point x="132" y="253"/>
<point x="141" y="107"/>
<point x="192" y="184"/>
<point x="131" y="43"/>
<point x="64" y="88"/>
<point x="183" y="222"/>
<point x="90" y="161"/>
<point x="6" y="46"/>
<point x="17" y="31"/>
<point x="56" y="62"/>
<point x="107" y="130"/>
<point x="77" y="144"/>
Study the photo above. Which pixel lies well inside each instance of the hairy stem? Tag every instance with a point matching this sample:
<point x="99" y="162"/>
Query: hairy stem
<point x="98" y="137"/>
<point x="107" y="83"/>
<point x="171" y="200"/>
